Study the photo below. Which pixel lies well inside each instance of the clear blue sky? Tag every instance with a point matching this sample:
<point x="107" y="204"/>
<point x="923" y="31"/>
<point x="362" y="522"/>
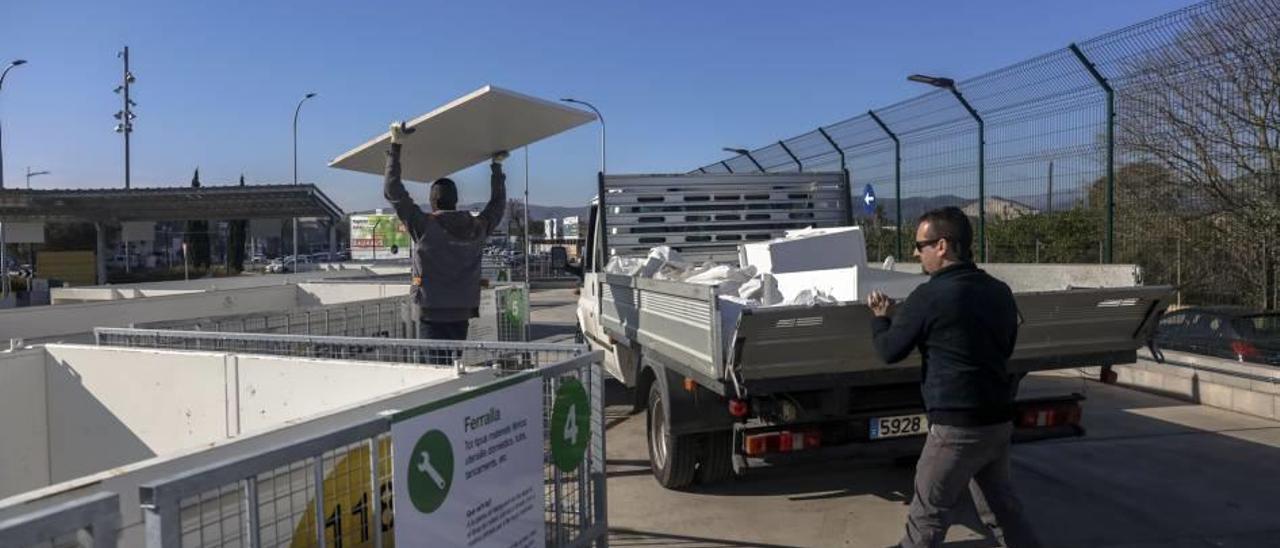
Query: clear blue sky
<point x="676" y="80"/>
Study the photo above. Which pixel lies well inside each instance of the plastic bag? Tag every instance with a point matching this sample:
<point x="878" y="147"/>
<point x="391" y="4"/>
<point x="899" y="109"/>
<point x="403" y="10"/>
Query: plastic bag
<point x="663" y="263"/>
<point x="763" y="288"/>
<point x="626" y="266"/>
<point x="809" y="297"/>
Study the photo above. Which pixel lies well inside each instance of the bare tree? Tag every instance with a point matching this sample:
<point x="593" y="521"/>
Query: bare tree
<point x="1205" y="108"/>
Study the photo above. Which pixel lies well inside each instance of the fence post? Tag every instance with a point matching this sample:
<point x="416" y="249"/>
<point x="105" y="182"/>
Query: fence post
<point x="846" y="194"/>
<point x="1109" y="234"/>
<point x="799" y="166"/>
<point x="318" y="475"/>
<point x="897" y="180"/>
<point x="982" y="170"/>
<point x="375" y="493"/>
<point x="251" y="511"/>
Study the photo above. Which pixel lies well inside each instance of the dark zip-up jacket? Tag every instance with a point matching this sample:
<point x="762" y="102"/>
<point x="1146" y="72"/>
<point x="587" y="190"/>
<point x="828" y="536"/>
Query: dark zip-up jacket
<point x="964" y="323"/>
<point x="447" y="246"/>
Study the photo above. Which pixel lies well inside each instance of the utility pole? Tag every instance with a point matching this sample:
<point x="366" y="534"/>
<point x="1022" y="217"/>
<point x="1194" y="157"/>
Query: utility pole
<point x="125" y="114"/>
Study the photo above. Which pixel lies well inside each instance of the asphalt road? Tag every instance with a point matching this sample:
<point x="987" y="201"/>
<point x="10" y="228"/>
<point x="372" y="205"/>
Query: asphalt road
<point x="1152" y="471"/>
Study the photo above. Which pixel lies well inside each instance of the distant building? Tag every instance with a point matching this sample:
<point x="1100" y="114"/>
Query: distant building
<point x="1001" y="208"/>
<point x="551" y="229"/>
<point x="570" y="228"/>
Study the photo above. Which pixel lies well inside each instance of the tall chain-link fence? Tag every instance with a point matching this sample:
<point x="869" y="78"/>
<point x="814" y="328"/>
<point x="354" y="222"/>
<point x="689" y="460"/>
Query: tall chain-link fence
<point x="1157" y="144"/>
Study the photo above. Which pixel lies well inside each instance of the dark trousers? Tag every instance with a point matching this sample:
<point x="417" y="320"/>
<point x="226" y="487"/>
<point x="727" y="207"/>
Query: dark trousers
<point x="952" y="456"/>
<point x="444" y="331"/>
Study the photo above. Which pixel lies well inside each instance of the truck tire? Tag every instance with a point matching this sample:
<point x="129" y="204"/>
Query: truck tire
<point x="672" y="458"/>
<point x="716" y="464"/>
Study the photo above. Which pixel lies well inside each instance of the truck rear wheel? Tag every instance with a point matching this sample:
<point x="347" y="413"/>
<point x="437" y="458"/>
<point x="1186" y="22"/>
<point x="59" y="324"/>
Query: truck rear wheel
<point x="672" y="458"/>
<point x="716" y="464"/>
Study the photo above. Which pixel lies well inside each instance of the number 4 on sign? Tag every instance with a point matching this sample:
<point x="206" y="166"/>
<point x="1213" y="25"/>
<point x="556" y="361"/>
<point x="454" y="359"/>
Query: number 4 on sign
<point x="571" y="425"/>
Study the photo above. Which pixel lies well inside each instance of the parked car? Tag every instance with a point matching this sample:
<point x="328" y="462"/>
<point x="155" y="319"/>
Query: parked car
<point x="1236" y="333"/>
<point x="286" y="264"/>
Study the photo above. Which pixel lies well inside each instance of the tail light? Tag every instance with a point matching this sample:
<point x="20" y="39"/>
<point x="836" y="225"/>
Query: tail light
<point x="1243" y="349"/>
<point x="738" y="408"/>
<point x="1049" y="415"/>
<point x="782" y="442"/>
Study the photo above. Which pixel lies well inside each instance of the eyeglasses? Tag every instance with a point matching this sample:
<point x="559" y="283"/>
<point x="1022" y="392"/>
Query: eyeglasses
<point x="921" y="244"/>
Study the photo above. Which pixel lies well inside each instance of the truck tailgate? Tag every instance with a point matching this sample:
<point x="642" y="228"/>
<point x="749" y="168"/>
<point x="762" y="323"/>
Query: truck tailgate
<point x="796" y="348"/>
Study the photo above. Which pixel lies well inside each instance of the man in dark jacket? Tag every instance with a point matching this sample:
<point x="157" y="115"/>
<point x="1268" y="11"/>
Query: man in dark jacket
<point x="448" y="245"/>
<point x="964" y="324"/>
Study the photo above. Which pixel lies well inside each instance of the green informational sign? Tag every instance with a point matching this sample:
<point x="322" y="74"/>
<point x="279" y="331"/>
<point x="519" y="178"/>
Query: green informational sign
<point x="570" y="425"/>
<point x="513" y="311"/>
<point x="470" y="467"/>
<point x="430" y="472"/>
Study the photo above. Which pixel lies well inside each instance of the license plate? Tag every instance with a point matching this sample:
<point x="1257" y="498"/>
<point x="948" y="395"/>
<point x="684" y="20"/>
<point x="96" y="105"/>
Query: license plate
<point x="898" y="426"/>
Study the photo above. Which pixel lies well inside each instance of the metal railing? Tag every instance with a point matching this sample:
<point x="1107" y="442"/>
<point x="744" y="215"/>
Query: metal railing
<point x="505" y="355"/>
<point x="503" y="319"/>
<point x="385" y="317"/>
<point x="92" y="520"/>
<point x="330" y="490"/>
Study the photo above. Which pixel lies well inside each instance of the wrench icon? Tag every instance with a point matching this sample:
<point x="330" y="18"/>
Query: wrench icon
<point x="425" y="467"/>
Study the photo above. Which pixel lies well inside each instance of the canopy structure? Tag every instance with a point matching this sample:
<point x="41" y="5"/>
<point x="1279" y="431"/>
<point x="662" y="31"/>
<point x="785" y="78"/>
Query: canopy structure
<point x="465" y="132"/>
<point x="167" y="204"/>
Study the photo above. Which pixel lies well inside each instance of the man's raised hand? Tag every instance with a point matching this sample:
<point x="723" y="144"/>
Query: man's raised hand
<point x="398" y="131"/>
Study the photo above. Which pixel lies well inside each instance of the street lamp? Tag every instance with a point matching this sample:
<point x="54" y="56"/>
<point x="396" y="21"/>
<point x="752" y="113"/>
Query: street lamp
<point x="602" y="128"/>
<point x="949" y="84"/>
<point x="31" y="174"/>
<point x="600" y="198"/>
<point x="747" y="153"/>
<point x="295" y="173"/>
<point x="14" y="63"/>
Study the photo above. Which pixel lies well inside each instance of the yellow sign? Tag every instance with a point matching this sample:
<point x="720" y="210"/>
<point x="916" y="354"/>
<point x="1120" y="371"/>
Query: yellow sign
<point x="348" y="502"/>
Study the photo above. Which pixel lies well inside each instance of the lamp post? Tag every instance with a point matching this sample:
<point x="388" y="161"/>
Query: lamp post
<point x="600" y="193"/>
<point x="4" y="264"/>
<point x="14" y="63"/>
<point x="602" y="127"/>
<point x="31" y="174"/>
<point x="295" y="173"/>
<point x="949" y="84"/>
<point x="747" y="153"/>
<point x="125" y="114"/>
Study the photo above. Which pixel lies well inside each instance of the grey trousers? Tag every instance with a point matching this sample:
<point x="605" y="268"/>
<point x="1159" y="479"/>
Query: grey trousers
<point x="952" y="456"/>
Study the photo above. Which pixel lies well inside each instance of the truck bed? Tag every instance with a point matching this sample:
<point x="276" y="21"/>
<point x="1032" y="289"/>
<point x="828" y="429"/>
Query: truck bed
<point x="790" y="348"/>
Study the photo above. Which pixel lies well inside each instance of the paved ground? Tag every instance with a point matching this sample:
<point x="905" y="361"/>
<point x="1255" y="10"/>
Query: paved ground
<point x="1152" y="472"/>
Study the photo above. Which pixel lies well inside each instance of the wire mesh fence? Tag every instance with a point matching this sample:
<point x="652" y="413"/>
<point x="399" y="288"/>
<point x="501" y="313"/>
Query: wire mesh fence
<point x="503" y="316"/>
<point x="501" y="355"/>
<point x="90" y="521"/>
<point x="386" y="317"/>
<point x="1158" y="144"/>
<point x="336" y="489"/>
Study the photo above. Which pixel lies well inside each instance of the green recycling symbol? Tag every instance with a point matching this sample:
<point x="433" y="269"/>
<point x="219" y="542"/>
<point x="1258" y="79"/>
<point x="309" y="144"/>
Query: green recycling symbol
<point x="570" y="425"/>
<point x="430" y="471"/>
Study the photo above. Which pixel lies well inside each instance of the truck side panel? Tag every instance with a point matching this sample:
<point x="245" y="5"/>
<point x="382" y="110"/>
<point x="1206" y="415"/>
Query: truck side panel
<point x="678" y="321"/>
<point x="795" y="348"/>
